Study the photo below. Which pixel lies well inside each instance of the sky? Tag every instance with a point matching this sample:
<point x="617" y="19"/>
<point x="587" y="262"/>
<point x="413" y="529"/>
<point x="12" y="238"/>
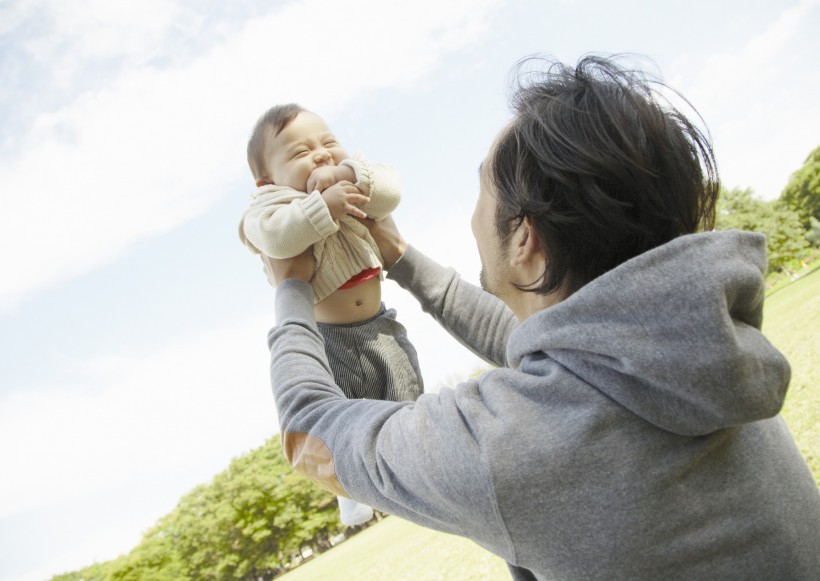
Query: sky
<point x="132" y="320"/>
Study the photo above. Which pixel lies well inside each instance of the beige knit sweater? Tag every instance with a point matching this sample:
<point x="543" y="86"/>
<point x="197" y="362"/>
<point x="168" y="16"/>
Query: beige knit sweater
<point x="282" y="223"/>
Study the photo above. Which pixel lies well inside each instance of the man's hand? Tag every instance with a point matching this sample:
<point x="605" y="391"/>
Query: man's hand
<point x="325" y="176"/>
<point x="300" y="267"/>
<point x="388" y="239"/>
<point x="343" y="198"/>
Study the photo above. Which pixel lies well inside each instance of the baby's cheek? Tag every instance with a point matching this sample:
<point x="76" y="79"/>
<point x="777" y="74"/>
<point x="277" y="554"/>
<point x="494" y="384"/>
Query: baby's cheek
<point x="303" y="176"/>
<point x="339" y="156"/>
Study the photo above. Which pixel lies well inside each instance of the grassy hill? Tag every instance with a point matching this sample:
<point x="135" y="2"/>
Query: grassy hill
<point x="791" y="321"/>
<point x="398" y="550"/>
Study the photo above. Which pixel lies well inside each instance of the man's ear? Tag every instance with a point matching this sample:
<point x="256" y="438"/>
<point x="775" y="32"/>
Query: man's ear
<point x="527" y="246"/>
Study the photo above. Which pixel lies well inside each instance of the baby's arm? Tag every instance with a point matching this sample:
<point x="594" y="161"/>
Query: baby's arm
<point x="378" y="181"/>
<point x="325" y="176"/>
<point x="340" y="195"/>
<point x="283" y="223"/>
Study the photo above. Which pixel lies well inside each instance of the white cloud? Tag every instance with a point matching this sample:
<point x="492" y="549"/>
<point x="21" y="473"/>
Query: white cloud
<point x="12" y="14"/>
<point x="85" y="547"/>
<point x="119" y="444"/>
<point x="155" y="147"/>
<point x="87" y="32"/>
<point x="726" y="74"/>
<point x="761" y="103"/>
<point x="175" y="415"/>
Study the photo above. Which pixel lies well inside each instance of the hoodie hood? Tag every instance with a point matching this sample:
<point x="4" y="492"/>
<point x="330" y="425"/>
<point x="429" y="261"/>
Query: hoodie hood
<point x="673" y="335"/>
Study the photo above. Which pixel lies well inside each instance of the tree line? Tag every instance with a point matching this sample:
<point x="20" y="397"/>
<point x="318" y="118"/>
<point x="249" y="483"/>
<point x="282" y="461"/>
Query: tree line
<point x="791" y="223"/>
<point x="252" y="522"/>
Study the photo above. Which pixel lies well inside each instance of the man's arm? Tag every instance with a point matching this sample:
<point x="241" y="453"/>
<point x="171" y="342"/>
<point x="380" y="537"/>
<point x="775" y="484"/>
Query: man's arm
<point x="422" y="461"/>
<point x="477" y="319"/>
<point x="474" y="317"/>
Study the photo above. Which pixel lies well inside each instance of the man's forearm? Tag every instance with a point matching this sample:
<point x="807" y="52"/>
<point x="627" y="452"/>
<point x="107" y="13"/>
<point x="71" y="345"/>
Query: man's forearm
<point x="477" y="319"/>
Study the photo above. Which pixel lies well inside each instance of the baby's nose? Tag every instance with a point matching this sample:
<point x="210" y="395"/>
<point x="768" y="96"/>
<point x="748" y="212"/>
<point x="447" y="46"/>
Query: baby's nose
<point x="322" y="156"/>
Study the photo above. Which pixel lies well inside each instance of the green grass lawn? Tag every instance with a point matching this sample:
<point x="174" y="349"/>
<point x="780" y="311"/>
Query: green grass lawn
<point x="791" y="321"/>
<point x="397" y="550"/>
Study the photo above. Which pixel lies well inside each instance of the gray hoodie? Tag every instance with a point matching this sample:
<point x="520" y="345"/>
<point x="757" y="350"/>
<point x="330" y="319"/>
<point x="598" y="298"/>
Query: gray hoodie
<point x="631" y="431"/>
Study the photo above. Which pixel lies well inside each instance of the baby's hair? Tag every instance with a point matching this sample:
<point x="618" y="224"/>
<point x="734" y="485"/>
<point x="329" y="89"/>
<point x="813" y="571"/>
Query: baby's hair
<point x="274" y="119"/>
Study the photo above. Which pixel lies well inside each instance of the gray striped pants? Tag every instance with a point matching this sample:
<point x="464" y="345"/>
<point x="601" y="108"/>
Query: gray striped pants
<point x="373" y="359"/>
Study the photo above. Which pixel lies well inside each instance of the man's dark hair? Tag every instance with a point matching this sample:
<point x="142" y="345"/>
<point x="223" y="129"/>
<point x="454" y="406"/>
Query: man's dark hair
<point x="603" y="167"/>
<point x="267" y="127"/>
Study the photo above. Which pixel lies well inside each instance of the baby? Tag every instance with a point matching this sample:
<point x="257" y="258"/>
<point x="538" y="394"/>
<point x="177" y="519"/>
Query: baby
<point x="309" y="193"/>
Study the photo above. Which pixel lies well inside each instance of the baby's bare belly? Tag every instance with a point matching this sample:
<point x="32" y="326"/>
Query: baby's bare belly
<point x="351" y="305"/>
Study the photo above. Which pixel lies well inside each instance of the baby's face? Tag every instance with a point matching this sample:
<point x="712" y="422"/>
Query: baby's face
<point x="305" y="144"/>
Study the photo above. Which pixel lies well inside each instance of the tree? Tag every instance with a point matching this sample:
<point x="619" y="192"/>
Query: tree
<point x="813" y="235"/>
<point x="785" y="238"/>
<point x="95" y="572"/>
<point x="248" y="523"/>
<point x="802" y="193"/>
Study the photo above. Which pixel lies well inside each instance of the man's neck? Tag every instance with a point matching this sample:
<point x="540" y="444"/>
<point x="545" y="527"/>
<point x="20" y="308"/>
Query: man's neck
<point x="529" y="303"/>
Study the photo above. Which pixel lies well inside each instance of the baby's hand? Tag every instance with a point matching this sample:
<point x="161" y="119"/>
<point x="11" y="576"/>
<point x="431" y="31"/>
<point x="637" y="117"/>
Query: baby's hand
<point x="325" y="176"/>
<point x="342" y="198"/>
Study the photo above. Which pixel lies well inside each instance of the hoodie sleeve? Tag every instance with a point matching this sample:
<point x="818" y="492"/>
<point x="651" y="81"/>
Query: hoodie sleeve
<point x="484" y="328"/>
<point x="285" y="224"/>
<point x="418" y="460"/>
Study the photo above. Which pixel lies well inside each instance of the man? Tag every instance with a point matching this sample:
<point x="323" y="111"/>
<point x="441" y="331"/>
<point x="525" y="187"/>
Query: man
<point x="631" y="429"/>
